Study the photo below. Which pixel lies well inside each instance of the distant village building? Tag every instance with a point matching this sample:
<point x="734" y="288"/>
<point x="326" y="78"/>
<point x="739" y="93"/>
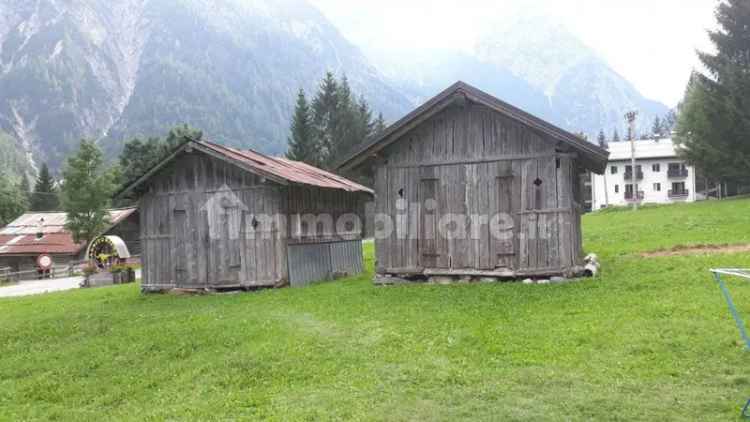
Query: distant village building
<point x="35" y="234"/>
<point x="461" y="159"/>
<point x="661" y="176"/>
<point x="214" y="217"/>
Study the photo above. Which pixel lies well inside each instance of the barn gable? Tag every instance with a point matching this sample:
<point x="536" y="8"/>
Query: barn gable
<point x="484" y="129"/>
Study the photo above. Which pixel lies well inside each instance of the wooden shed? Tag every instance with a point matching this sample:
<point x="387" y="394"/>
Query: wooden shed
<point x="214" y="217"/>
<point x="467" y="185"/>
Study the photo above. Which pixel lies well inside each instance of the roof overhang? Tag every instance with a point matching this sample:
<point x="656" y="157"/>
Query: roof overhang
<point x="592" y="156"/>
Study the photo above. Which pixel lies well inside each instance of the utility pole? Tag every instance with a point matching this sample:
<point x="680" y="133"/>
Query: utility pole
<point x="630" y="116"/>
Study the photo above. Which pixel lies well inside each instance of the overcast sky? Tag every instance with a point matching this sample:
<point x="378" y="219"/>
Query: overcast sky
<point x="650" y="42"/>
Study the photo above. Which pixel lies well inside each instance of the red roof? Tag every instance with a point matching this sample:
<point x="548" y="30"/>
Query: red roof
<point x="20" y="236"/>
<point x="292" y="171"/>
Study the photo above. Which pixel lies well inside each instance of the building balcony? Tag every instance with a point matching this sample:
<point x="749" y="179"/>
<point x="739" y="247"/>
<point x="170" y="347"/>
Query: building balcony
<point x="677" y="173"/>
<point x="679" y="194"/>
<point x="629" y="196"/>
<point x="638" y="175"/>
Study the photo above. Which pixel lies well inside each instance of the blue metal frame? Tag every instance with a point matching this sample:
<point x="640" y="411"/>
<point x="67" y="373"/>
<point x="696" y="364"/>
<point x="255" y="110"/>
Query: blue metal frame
<point x="737" y="320"/>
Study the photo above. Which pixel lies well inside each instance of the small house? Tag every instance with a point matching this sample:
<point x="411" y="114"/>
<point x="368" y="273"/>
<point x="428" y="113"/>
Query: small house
<point x="215" y="217"/>
<point x="467" y="185"/>
<point x="35" y="234"/>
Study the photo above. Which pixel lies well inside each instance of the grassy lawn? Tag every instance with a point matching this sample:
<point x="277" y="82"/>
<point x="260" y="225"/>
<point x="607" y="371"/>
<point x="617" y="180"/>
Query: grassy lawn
<point x="650" y="339"/>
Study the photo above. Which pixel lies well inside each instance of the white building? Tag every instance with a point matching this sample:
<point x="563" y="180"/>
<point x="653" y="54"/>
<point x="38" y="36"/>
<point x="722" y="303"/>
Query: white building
<point x="661" y="177"/>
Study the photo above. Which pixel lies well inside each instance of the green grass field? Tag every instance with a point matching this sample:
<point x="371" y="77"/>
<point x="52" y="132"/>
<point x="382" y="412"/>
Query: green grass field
<point x="650" y="339"/>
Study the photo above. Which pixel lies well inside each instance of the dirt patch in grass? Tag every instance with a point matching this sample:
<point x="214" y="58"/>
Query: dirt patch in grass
<point x="681" y="250"/>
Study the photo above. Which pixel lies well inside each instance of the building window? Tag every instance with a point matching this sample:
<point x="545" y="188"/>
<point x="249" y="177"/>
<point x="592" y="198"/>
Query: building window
<point x="657" y="187"/>
<point x="656" y="168"/>
<point x="678" y="189"/>
<point x="613" y="169"/>
<point x="617" y="188"/>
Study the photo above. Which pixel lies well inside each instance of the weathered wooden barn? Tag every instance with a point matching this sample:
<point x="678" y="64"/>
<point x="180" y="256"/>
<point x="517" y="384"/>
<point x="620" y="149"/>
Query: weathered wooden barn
<point x="463" y="156"/>
<point x="214" y="217"/>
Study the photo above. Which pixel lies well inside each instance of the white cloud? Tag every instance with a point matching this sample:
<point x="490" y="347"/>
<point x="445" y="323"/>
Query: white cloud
<point x="651" y="43"/>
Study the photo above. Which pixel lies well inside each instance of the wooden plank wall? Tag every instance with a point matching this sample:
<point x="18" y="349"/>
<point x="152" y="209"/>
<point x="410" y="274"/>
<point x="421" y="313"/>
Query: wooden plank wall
<point x="473" y="161"/>
<point x="302" y="200"/>
<point x="177" y="247"/>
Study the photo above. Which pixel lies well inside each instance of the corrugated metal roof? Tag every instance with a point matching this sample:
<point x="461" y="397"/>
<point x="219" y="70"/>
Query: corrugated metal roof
<point x="20" y="236"/>
<point x="293" y="171"/>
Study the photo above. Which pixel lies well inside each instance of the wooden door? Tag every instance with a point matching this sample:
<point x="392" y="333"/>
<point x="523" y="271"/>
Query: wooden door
<point x="224" y="244"/>
<point x="184" y="241"/>
<point x="263" y="250"/>
<point x="502" y="251"/>
<point x="429" y="236"/>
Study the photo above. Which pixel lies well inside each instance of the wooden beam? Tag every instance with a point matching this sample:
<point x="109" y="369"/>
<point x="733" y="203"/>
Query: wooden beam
<point x="483" y="160"/>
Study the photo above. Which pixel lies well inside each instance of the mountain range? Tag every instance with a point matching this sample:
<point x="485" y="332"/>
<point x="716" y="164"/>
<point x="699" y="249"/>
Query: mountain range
<point x="114" y="70"/>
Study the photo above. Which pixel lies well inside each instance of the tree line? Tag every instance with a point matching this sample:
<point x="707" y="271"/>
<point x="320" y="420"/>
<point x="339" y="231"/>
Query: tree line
<point x="331" y="125"/>
<point x="661" y="127"/>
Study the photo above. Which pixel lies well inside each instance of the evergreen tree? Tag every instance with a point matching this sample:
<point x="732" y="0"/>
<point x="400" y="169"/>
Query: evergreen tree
<point x="668" y="123"/>
<point x="602" y="139"/>
<point x="25" y="188"/>
<point x="12" y="201"/>
<point x="347" y="124"/>
<point x="44" y="197"/>
<point x="615" y="136"/>
<point x="325" y="116"/>
<point x="714" y="120"/>
<point x="656" y="128"/>
<point x="302" y="142"/>
<point x="178" y="135"/>
<point x="339" y="121"/>
<point x="86" y="192"/>
<point x="138" y="156"/>
<point x="379" y="126"/>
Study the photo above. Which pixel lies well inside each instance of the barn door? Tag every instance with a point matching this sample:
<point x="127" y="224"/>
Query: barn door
<point x="263" y="251"/>
<point x="539" y="245"/>
<point x="455" y="218"/>
<point x="429" y="238"/>
<point x="501" y="242"/>
<point x="224" y="213"/>
<point x="184" y="241"/>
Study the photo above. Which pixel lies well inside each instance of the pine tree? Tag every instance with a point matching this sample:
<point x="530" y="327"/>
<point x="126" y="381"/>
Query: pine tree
<point x="347" y="124"/>
<point x="668" y="123"/>
<point x="86" y="192"/>
<point x="714" y="120"/>
<point x="379" y="126"/>
<point x="44" y="197"/>
<point x="615" y="136"/>
<point x="325" y="115"/>
<point x="25" y="189"/>
<point x="339" y="122"/>
<point x="656" y="128"/>
<point x="302" y="142"/>
<point x="602" y="139"/>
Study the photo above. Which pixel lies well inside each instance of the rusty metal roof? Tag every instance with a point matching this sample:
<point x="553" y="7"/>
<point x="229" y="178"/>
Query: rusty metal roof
<point x="20" y="236"/>
<point x="292" y="171"/>
<point x="280" y="170"/>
